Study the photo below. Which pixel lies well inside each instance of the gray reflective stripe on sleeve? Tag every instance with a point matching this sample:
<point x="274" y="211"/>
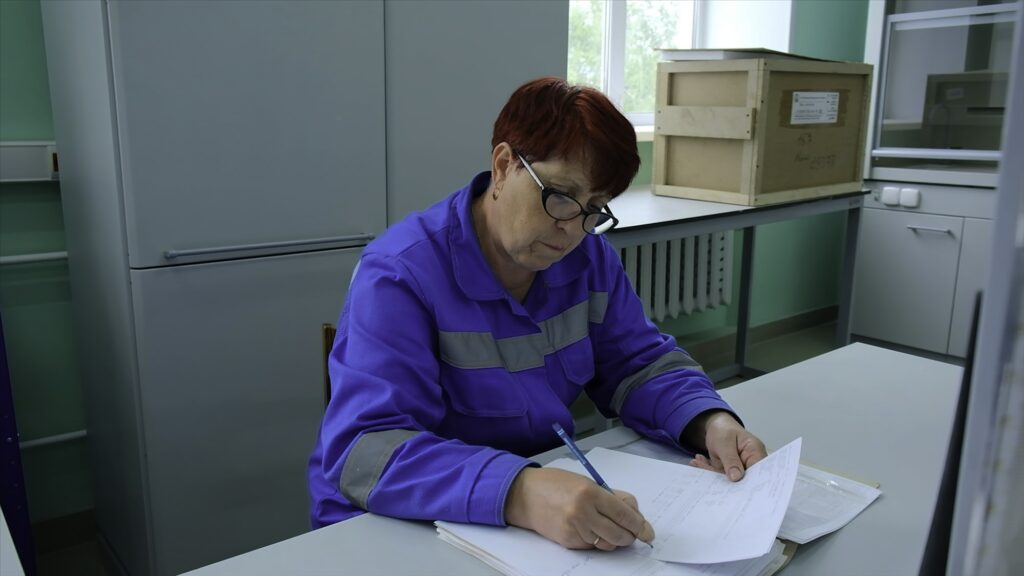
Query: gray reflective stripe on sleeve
<point x="598" y="306"/>
<point x="366" y="461"/>
<point x="481" y="350"/>
<point x="674" y="360"/>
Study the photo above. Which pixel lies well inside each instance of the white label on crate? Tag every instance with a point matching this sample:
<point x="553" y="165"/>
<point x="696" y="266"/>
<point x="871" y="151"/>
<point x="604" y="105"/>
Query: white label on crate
<point x="956" y="93"/>
<point x="815" y="108"/>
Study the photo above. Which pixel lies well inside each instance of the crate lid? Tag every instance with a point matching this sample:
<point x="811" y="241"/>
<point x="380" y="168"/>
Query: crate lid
<point x="672" y="54"/>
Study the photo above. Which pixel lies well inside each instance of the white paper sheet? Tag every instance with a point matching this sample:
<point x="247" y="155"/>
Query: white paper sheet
<point x="823" y="503"/>
<point x="700" y="516"/>
<point x="705" y="524"/>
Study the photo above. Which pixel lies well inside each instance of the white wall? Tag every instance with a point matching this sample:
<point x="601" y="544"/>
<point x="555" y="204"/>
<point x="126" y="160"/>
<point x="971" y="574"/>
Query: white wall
<point x="745" y="24"/>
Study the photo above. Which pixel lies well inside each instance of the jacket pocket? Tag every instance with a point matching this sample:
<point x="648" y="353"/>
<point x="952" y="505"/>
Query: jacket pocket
<point x="577" y="361"/>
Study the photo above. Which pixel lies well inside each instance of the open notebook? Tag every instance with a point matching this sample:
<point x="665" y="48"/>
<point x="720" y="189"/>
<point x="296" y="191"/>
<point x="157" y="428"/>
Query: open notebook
<point x="705" y="525"/>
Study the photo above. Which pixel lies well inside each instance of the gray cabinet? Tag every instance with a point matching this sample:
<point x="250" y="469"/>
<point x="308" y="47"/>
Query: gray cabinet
<point x="942" y="70"/>
<point x="942" y="78"/>
<point x="245" y="133"/>
<point x="975" y="254"/>
<point x="919" y="267"/>
<point x="230" y="371"/>
<point x="906" y="276"/>
<point x="247" y="123"/>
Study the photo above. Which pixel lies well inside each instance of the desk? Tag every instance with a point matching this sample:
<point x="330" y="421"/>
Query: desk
<point x="10" y="563"/>
<point x="866" y="411"/>
<point x="645" y="217"/>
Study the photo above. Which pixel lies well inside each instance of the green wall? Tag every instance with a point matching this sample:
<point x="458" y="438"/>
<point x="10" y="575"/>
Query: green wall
<point x="643" y="176"/>
<point x="24" y="88"/>
<point x="35" y="299"/>
<point x="831" y="29"/>
<point x="797" y="264"/>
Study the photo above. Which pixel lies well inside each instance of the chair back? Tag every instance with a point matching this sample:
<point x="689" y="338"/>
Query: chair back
<point x="327" y="332"/>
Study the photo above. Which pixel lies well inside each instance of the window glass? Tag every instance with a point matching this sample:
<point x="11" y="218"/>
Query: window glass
<point x="586" y="36"/>
<point x="636" y="33"/>
<point x="651" y="25"/>
<point x="946" y="82"/>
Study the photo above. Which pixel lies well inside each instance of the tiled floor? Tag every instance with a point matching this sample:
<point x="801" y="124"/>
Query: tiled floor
<point x="85" y="560"/>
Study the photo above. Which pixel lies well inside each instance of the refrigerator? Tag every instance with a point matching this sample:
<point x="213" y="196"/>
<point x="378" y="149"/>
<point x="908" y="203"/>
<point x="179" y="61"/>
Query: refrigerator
<point x="222" y="165"/>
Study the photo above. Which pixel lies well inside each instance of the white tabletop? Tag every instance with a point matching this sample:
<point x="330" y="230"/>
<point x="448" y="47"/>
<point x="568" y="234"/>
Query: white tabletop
<point x="640" y="207"/>
<point x="646" y="217"/>
<point x="873" y="414"/>
<point x="10" y="563"/>
<point x="864" y="411"/>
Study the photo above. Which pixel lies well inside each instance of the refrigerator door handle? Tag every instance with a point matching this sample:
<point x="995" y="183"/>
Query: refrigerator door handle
<point x="312" y="242"/>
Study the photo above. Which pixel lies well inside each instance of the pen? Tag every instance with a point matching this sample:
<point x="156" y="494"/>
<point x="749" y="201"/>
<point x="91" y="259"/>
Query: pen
<point x="583" y="460"/>
<point x="579" y="456"/>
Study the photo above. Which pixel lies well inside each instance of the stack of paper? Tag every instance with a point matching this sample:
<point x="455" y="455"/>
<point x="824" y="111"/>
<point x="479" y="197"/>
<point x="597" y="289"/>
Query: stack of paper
<point x="823" y="503"/>
<point x="704" y="523"/>
<point x="517" y="552"/>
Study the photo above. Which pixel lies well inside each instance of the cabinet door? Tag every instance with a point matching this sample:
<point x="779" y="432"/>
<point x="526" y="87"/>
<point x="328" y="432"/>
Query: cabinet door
<point x="975" y="254"/>
<point x="231" y="389"/>
<point x="905" y="277"/>
<point x="244" y="123"/>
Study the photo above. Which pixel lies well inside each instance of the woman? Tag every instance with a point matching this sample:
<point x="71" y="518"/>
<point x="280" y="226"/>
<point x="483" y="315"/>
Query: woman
<point x="472" y="326"/>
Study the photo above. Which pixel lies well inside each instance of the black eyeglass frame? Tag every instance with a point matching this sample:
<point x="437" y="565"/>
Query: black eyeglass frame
<point x="547" y="191"/>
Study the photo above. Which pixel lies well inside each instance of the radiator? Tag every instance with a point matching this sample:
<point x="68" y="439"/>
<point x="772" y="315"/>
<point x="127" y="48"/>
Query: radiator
<point x="680" y="276"/>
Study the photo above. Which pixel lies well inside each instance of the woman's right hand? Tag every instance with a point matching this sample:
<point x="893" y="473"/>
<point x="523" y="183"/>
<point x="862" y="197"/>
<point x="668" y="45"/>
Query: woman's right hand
<point x="574" y="511"/>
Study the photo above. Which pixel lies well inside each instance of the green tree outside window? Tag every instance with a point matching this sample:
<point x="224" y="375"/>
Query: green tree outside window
<point x="650" y="25"/>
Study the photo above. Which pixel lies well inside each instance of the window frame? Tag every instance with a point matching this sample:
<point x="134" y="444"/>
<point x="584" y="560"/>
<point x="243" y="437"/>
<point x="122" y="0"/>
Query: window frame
<point x="613" y="58"/>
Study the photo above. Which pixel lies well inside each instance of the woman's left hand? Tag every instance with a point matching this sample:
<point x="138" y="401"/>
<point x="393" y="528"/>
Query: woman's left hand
<point x="731" y="448"/>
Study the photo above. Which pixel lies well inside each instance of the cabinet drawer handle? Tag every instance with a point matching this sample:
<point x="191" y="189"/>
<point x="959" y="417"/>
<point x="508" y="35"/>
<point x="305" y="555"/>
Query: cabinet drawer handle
<point x="356" y="238"/>
<point x="928" y="229"/>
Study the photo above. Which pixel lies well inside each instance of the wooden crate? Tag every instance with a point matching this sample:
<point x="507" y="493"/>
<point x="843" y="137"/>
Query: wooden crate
<point x="760" y="131"/>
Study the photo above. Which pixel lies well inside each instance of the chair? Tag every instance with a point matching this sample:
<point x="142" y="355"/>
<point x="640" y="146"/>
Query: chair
<point x="327" y="332"/>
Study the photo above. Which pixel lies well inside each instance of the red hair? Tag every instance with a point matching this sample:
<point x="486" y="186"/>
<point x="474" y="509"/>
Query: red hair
<point x="550" y="118"/>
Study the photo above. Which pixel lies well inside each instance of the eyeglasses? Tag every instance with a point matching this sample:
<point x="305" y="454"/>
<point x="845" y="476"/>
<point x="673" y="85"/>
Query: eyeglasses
<point x="564" y="207"/>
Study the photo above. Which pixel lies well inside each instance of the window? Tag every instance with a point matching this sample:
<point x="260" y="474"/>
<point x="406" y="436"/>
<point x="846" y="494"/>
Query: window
<point x="613" y="45"/>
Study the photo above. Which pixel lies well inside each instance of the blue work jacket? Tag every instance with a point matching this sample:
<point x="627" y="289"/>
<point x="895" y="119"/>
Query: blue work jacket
<point x="442" y="383"/>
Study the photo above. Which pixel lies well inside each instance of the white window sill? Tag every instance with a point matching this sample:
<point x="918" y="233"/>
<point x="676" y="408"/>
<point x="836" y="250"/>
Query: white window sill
<point x="644" y="133"/>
